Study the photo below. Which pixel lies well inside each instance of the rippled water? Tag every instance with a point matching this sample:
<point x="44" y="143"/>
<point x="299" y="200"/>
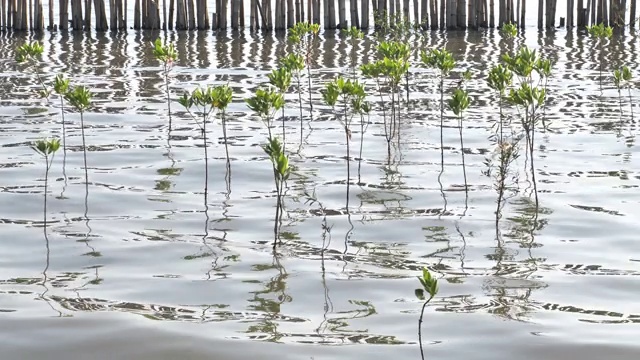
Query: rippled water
<point x="155" y="274"/>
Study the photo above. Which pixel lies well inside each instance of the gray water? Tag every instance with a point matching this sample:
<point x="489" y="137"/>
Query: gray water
<point x="142" y="269"/>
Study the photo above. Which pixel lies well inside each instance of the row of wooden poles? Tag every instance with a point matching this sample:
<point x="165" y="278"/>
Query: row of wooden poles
<point x="20" y="15"/>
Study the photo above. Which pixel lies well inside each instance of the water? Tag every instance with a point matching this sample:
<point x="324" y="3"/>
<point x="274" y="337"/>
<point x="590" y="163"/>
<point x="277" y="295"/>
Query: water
<point x="154" y="274"/>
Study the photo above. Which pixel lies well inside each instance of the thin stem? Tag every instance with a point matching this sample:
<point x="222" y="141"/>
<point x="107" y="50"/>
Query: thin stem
<point x="630" y="102"/>
<point x="46" y="184"/>
<point x="166" y="80"/>
<point x="442" y="122"/>
<point x="84" y="150"/>
<point x="300" y="100"/>
<point x="464" y="169"/>
<point x="284" y="136"/>
<point x="206" y="155"/>
<point x="420" y="326"/>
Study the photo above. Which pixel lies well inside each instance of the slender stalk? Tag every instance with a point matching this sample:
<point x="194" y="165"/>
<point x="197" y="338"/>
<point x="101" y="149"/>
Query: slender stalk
<point x="206" y="155"/>
<point x="442" y="122"/>
<point x="84" y="150"/>
<point x="284" y="135"/>
<point x="630" y="102"/>
<point x="420" y="326"/>
<point x="166" y="82"/>
<point x="300" y="101"/>
<point x="464" y="169"/>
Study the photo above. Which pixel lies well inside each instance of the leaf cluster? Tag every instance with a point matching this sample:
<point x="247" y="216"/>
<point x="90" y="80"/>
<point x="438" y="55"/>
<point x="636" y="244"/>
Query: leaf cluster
<point x="429" y="285"/>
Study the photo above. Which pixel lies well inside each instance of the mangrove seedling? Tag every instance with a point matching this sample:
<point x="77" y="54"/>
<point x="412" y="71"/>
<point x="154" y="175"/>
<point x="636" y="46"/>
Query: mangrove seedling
<point x="47" y="148"/>
<point x="352" y="95"/>
<point x="509" y="30"/>
<point x="388" y="73"/>
<point x="167" y="55"/>
<point x="543" y="68"/>
<point x="600" y="33"/>
<point x="302" y="35"/>
<point x="221" y="97"/>
<point x="265" y="103"/>
<point x="444" y="62"/>
<point x="458" y="103"/>
<point x="429" y="287"/>
<point x="499" y="79"/>
<point x="531" y="99"/>
<point x="281" y="172"/>
<point x="204" y="101"/>
<point x="295" y="64"/>
<point x="622" y="78"/>
<point x="80" y="98"/>
<point x="30" y="54"/>
<point x="61" y="87"/>
<point x="506" y="153"/>
<point x="354" y="34"/>
<point x="281" y="79"/>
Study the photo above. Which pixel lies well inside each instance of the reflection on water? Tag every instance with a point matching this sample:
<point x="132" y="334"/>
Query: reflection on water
<point x="146" y="241"/>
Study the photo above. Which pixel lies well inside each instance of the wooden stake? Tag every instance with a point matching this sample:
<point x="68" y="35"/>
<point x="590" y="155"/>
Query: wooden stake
<point x="353" y="5"/>
<point x="290" y="14"/>
<point x="342" y="14"/>
<point x="633" y="12"/>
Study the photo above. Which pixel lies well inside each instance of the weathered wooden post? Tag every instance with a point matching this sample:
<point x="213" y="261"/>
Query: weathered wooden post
<point x="290" y="14"/>
<point x="192" y="14"/>
<point x="342" y="13"/>
<point x="633" y="11"/>
<point x="87" y="15"/>
<point x="355" y="21"/>
<point x="101" y="16"/>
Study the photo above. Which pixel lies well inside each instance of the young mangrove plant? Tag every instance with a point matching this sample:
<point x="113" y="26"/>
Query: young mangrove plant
<point x="600" y="33"/>
<point x="531" y="99"/>
<point x="500" y="78"/>
<point x="30" y="54"/>
<point x="509" y="30"/>
<point x="458" y="103"/>
<point x="265" y="103"/>
<point x="205" y="101"/>
<point x="430" y="288"/>
<point x="80" y="98"/>
<point x="351" y="95"/>
<point x="353" y="34"/>
<point x="622" y="78"/>
<point x="528" y="96"/>
<point x="444" y="62"/>
<point x="47" y="148"/>
<point x="281" y="79"/>
<point x="302" y="35"/>
<point x="295" y="64"/>
<point x="61" y="87"/>
<point x="543" y="68"/>
<point x="281" y="172"/>
<point x="388" y="73"/>
<point x="167" y="55"/>
<point x="221" y="97"/>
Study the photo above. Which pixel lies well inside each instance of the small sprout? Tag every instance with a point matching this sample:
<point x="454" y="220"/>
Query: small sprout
<point x="600" y="31"/>
<point x="353" y="33"/>
<point x="459" y="101"/>
<point x="429" y="284"/>
<point x="280" y="78"/>
<point x="439" y="59"/>
<point x="509" y="30"/>
<point x="265" y="102"/>
<point x="166" y="54"/>
<point x="79" y="97"/>
<point x="29" y="52"/>
<point x="499" y="78"/>
<point x="60" y="85"/>
<point x="292" y="62"/>
<point x="46" y="147"/>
